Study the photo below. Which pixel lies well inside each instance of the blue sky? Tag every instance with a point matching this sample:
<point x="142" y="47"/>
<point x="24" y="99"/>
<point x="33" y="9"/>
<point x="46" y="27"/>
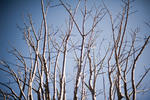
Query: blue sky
<point x="13" y="11"/>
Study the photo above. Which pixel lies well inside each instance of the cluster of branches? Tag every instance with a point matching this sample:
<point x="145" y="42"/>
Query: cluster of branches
<point x="42" y="74"/>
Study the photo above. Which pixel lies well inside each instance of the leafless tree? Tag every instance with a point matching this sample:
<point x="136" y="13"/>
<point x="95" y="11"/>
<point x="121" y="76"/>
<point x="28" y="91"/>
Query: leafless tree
<point x="40" y="73"/>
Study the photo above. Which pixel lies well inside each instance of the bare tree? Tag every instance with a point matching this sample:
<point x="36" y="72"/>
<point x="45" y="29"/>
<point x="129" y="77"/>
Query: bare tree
<point x="40" y="73"/>
<point x="125" y="55"/>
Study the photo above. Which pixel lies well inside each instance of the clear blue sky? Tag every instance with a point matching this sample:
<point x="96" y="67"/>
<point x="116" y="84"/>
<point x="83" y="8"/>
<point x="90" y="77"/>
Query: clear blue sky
<point x="12" y="12"/>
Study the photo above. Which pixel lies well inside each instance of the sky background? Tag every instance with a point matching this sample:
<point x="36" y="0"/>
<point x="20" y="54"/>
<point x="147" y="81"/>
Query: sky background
<point x="12" y="13"/>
